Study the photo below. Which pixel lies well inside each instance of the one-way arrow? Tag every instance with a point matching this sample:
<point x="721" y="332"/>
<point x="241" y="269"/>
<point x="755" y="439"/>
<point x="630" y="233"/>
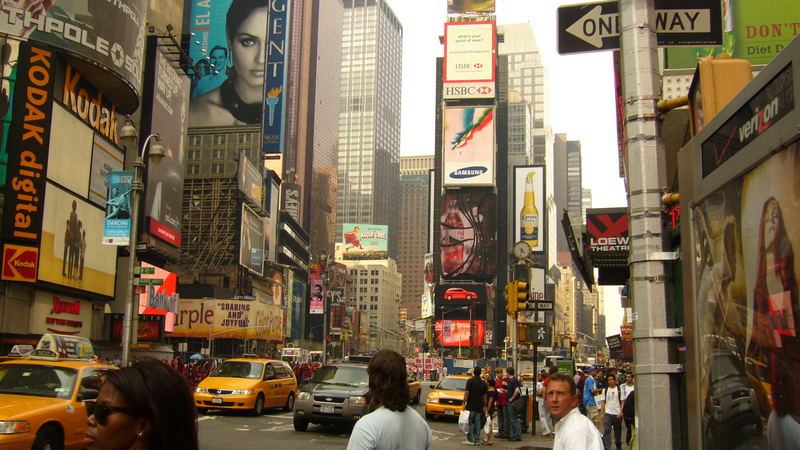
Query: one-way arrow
<point x="595" y="26"/>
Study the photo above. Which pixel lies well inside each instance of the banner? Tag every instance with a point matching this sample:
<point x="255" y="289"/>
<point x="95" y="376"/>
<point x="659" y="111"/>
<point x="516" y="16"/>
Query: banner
<point x="456" y="333"/>
<point x="251" y="244"/>
<point x="228" y="319"/>
<point x="365" y="241"/>
<point x="165" y="104"/>
<point x="275" y="85"/>
<point x="468" y="139"/>
<point x="249" y="179"/>
<point x="117" y="224"/>
<point x="160" y="300"/>
<point x="317" y="304"/>
<point x="529" y="197"/>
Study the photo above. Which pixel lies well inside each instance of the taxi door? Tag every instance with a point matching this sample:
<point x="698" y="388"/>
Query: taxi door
<point x="285" y="384"/>
<point x="75" y="425"/>
<point x="270" y="386"/>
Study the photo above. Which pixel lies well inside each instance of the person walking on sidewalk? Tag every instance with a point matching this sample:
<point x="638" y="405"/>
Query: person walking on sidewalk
<point x="627" y="397"/>
<point x="612" y="413"/>
<point x="475" y="402"/>
<point x="514" y="395"/>
<point x="573" y="430"/>
<point x="500" y="385"/>
<point x="589" y="391"/>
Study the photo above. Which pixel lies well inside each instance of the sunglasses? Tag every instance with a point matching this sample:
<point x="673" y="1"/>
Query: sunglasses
<point x="101" y="412"/>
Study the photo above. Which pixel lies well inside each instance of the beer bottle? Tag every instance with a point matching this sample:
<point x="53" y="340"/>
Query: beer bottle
<point x="529" y="215"/>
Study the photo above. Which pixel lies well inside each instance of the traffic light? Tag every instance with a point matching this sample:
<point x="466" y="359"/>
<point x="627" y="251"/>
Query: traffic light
<point x="516" y="294"/>
<point x="522" y="334"/>
<point x="716" y="81"/>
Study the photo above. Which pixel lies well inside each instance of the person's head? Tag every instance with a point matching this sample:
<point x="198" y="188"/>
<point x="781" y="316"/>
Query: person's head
<point x="612" y="381"/>
<point x="318" y="289"/>
<point x="146" y="405"/>
<point x="629" y="378"/>
<point x="552" y="370"/>
<point x="388" y="385"/>
<point x="510" y="371"/>
<point x="246" y="28"/>
<point x="218" y="59"/>
<point x="476" y="371"/>
<point x="498" y="372"/>
<point x="561" y="395"/>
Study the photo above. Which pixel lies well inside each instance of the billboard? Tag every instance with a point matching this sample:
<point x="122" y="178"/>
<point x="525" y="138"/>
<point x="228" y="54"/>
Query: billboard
<point x="460" y="300"/>
<point x="165" y="103"/>
<point x="468" y="141"/>
<point x="751" y="29"/>
<point x="150" y="327"/>
<point x="8" y="81"/>
<point x="468" y="227"/>
<point x="462" y="6"/>
<point x="71" y="252"/>
<point x="271" y="222"/>
<point x="249" y="179"/>
<point x="106" y="158"/>
<point x="470" y="52"/>
<point x="160" y="300"/>
<point x="109" y="33"/>
<point x="251" y="244"/>
<point x="456" y="333"/>
<point x="229" y="319"/>
<point x="20" y="263"/>
<point x="117" y="223"/>
<point x="529" y="196"/>
<point x="745" y="278"/>
<point x="365" y="241"/>
<point x="317" y="304"/>
<point x="231" y="87"/>
<point x="28" y="151"/>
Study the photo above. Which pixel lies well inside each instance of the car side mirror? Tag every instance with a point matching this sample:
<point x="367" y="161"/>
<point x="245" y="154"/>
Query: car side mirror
<point x="433" y="386"/>
<point x="88" y="394"/>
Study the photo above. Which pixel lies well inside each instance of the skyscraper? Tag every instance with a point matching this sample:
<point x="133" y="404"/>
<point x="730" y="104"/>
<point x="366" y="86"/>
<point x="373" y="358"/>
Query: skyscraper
<point x="413" y="245"/>
<point x="369" y="119"/>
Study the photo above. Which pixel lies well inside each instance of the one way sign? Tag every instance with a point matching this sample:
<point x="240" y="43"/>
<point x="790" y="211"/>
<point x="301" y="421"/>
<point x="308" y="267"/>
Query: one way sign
<point x="595" y="26"/>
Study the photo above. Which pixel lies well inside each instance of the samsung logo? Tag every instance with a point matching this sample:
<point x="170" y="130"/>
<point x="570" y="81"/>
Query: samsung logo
<point x="468" y="172"/>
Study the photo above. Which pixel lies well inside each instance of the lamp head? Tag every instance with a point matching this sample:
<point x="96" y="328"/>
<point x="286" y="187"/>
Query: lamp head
<point x="127" y="134"/>
<point x="156" y="150"/>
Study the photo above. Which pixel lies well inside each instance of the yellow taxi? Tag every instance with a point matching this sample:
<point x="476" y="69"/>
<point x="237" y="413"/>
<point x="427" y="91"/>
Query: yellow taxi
<point x="248" y="384"/>
<point x="447" y="397"/>
<point x="41" y="396"/>
<point x="414" y="389"/>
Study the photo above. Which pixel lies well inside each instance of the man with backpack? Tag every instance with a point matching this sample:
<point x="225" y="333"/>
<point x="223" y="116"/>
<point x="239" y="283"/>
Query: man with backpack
<point x="612" y="413"/>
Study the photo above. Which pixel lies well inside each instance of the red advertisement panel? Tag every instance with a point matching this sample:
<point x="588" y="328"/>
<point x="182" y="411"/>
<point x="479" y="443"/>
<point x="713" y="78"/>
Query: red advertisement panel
<point x="19" y="263"/>
<point x="456" y="333"/>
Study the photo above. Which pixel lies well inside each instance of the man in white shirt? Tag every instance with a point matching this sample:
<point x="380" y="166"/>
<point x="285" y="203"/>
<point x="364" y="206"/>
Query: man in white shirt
<point x="627" y="389"/>
<point x="573" y="430"/>
<point x="612" y="413"/>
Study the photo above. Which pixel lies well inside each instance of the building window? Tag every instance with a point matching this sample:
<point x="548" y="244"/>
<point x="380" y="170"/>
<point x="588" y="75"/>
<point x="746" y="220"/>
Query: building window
<point x="217" y="168"/>
<point x="193" y="169"/>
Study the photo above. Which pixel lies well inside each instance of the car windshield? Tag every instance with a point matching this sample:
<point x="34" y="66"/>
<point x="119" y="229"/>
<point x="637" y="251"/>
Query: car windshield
<point x="342" y="375"/>
<point x="239" y="369"/>
<point x="455" y="384"/>
<point x="37" y="380"/>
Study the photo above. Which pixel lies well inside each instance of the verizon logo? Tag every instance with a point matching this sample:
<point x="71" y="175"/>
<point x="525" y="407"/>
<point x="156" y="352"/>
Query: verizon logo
<point x="761" y="120"/>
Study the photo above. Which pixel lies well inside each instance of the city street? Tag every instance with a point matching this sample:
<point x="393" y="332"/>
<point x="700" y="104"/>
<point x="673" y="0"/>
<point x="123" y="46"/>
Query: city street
<point x="227" y="430"/>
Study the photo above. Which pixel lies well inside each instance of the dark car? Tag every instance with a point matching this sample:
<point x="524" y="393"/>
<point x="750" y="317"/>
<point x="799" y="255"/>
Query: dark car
<point x="732" y="403"/>
<point x="335" y="395"/>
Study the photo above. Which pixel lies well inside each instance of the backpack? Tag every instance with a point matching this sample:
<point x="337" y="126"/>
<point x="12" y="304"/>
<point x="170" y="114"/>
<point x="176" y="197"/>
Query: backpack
<point x="605" y="394"/>
<point x="629" y="408"/>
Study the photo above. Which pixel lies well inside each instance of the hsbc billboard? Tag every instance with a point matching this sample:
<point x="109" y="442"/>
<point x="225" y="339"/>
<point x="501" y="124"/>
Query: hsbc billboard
<point x="468" y="90"/>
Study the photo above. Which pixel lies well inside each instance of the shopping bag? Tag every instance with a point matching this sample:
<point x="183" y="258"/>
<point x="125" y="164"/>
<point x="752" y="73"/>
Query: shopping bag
<point x="463" y="421"/>
<point x="488" y="427"/>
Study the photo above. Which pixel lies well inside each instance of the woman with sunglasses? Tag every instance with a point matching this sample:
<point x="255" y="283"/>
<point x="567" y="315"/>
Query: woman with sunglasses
<point x="147" y="405"/>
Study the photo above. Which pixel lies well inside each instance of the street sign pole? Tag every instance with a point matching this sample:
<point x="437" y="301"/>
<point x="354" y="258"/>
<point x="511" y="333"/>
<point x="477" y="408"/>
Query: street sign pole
<point x="656" y="390"/>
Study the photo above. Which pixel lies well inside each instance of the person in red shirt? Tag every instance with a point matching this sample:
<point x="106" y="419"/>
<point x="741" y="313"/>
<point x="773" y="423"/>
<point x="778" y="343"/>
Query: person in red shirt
<point x="500" y="384"/>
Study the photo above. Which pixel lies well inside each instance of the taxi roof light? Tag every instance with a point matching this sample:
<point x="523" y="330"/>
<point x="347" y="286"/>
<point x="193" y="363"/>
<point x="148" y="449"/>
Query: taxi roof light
<point x="54" y="347"/>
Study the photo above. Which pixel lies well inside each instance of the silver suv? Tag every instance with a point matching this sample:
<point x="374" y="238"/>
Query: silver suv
<point x="335" y="395"/>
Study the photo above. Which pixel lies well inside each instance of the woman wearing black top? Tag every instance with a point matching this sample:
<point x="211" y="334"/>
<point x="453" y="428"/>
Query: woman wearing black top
<point x="491" y="398"/>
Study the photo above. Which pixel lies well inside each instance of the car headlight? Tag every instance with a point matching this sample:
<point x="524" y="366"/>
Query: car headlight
<point x="433" y="399"/>
<point x="304" y="395"/>
<point x="358" y="400"/>
<point x="201" y="390"/>
<point x="242" y="391"/>
<point x="14" y="427"/>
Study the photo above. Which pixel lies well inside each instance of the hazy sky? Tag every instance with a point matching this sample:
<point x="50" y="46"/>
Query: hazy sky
<point x="579" y="89"/>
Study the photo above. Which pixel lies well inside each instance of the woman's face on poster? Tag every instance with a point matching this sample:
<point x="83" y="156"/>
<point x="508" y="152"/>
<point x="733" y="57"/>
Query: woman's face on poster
<point x="771" y="219"/>
<point x="248" y="49"/>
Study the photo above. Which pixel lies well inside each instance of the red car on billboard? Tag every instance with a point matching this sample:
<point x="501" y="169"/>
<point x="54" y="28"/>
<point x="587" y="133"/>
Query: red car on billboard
<point x="457" y="293"/>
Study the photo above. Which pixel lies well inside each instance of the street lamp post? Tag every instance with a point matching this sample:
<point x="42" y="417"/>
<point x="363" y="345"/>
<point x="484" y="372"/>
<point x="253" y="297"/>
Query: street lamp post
<point x="323" y="263"/>
<point x="128" y="138"/>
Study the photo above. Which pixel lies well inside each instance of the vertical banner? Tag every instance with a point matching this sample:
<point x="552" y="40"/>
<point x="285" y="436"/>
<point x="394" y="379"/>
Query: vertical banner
<point x="165" y="111"/>
<point x="28" y="143"/>
<point x="529" y="196"/>
<point x="275" y="85"/>
<point x="251" y="246"/>
<point x="468" y="227"/>
<point x="117" y="224"/>
<point x="317" y="296"/>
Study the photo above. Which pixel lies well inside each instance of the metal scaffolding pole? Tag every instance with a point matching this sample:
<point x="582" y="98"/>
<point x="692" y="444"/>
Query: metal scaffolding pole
<point x="655" y="387"/>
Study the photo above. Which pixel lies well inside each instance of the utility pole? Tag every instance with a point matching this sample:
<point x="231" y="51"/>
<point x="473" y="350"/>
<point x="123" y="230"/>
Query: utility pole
<point x="655" y="387"/>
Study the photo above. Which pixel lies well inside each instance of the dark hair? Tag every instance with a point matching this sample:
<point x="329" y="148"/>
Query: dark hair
<point x="160" y="395"/>
<point x="388" y="382"/>
<point x="566" y="379"/>
<point x="220" y="47"/>
<point x="553" y="369"/>
<point x="238" y="12"/>
<point x="510" y="370"/>
<point x="476" y="371"/>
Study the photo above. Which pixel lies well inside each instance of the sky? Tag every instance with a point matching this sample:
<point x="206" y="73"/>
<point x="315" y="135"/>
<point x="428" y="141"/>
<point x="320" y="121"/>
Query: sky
<point x="579" y="90"/>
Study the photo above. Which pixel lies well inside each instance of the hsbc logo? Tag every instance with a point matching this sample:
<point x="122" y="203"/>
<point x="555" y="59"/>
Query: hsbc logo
<point x="468" y="90"/>
<point x="477" y="65"/>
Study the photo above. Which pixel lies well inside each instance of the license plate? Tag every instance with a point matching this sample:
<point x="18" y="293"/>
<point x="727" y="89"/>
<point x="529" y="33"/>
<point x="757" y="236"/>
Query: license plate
<point x="216" y="400"/>
<point x="449" y="412"/>
<point x="326" y="409"/>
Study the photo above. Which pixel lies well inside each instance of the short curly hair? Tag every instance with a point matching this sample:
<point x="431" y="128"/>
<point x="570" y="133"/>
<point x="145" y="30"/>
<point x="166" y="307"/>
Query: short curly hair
<point x="388" y="381"/>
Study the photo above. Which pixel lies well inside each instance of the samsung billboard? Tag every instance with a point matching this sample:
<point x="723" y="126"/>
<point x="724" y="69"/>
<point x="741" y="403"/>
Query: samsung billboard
<point x="468" y="141"/>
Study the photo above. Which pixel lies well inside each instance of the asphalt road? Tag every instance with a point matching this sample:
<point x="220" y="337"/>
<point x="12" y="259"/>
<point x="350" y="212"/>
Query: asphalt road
<point x="228" y="430"/>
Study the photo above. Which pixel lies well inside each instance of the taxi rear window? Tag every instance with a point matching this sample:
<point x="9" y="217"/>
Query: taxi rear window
<point x="36" y="380"/>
